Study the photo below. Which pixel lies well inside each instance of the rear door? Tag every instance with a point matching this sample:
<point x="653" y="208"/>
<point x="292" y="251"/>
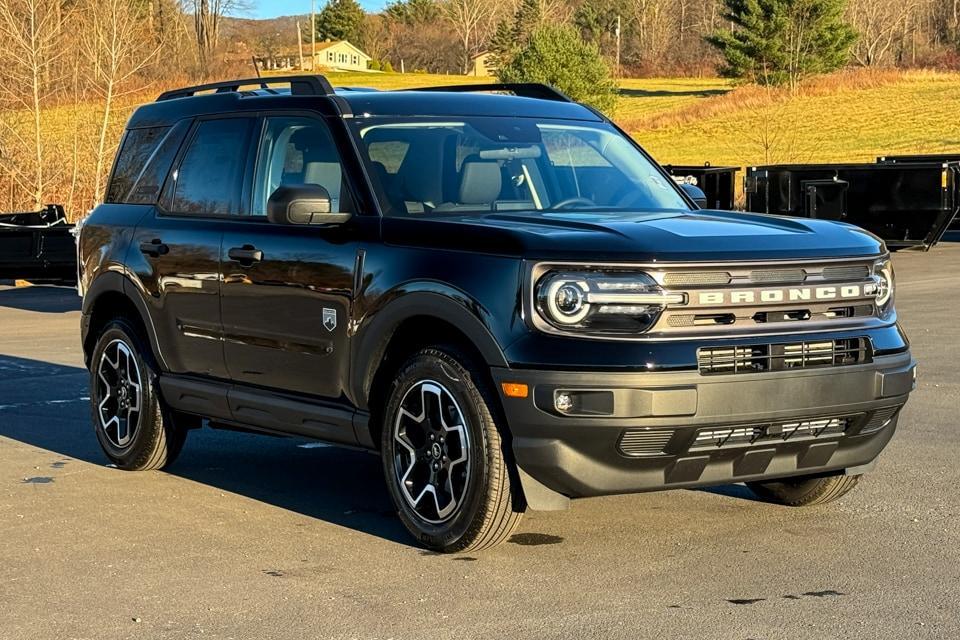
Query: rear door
<point x="178" y="245"/>
<point x="288" y="290"/>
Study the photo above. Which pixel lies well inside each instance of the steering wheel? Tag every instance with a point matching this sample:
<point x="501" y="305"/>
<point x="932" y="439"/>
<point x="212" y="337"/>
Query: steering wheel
<point x="566" y="203"/>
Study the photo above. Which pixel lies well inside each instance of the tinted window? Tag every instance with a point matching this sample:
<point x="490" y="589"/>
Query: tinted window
<point x="297" y="151"/>
<point x="138" y="146"/>
<point x="209" y="178"/>
<point x="148" y="185"/>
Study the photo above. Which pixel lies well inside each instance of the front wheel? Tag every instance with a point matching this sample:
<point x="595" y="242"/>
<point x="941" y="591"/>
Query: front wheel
<point x="443" y="455"/>
<point x="804" y="491"/>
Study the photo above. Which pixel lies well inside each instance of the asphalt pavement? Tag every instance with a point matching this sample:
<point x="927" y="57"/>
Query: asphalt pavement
<point x="258" y="537"/>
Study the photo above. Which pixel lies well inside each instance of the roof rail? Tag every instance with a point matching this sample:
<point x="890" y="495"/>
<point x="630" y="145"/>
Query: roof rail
<point x="305" y="85"/>
<point x="522" y="89"/>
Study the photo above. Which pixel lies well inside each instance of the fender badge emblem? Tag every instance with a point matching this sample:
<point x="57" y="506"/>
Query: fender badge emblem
<point x="330" y="319"/>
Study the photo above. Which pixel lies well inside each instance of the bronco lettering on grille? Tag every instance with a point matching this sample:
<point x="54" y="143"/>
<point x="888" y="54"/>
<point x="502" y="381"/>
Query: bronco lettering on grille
<point x="778" y="295"/>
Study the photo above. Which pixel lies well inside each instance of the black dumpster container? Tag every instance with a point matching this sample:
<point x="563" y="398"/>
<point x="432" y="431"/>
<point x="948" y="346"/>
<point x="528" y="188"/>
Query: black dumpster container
<point x="930" y="157"/>
<point x="38" y="246"/>
<point x="905" y="203"/>
<point x="716" y="182"/>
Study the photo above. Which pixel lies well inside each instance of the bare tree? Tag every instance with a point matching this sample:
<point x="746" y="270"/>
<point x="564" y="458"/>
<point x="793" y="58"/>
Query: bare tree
<point x="879" y="25"/>
<point x="473" y="21"/>
<point x="112" y="40"/>
<point x="29" y="32"/>
<point x="207" y="18"/>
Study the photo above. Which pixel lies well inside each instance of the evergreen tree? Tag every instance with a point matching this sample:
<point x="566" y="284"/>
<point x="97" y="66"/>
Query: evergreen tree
<point x="341" y="20"/>
<point x="779" y="42"/>
<point x="513" y="34"/>
<point x="558" y="56"/>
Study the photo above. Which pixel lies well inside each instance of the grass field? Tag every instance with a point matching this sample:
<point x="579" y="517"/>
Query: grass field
<point x="850" y="117"/>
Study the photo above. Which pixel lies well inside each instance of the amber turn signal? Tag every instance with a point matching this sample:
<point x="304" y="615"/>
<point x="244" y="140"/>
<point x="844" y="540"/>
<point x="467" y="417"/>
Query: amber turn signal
<point x="515" y="389"/>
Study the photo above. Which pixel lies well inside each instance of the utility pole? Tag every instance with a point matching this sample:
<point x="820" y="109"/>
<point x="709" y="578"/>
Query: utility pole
<point x="313" y="35"/>
<point x="300" y="44"/>
<point x="618" y="46"/>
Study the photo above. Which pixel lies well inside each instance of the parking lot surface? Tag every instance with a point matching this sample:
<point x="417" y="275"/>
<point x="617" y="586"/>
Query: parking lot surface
<point x="257" y="537"/>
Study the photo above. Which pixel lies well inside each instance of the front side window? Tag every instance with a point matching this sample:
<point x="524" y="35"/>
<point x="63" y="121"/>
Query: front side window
<point x="298" y="151"/>
<point x="522" y="165"/>
<point x="209" y="179"/>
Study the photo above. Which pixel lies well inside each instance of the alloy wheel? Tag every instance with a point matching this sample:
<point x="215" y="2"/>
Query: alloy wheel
<point x="120" y="393"/>
<point x="431" y="451"/>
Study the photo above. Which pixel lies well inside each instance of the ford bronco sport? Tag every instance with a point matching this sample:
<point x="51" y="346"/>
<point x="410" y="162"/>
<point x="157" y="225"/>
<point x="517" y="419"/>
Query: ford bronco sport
<point x="493" y="287"/>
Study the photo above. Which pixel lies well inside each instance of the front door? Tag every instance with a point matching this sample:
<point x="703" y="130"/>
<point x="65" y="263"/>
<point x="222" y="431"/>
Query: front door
<point x="179" y="244"/>
<point x="287" y="291"/>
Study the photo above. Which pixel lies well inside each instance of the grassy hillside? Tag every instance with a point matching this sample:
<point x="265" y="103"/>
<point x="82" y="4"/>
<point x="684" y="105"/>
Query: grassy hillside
<point x="850" y="119"/>
<point x="845" y="117"/>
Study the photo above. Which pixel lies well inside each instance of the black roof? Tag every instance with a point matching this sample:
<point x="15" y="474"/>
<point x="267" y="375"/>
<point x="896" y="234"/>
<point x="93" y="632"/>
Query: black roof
<point x="537" y="101"/>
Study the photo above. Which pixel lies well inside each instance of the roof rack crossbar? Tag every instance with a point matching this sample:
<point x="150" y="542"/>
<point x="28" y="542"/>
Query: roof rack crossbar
<point x="303" y="85"/>
<point x="522" y="89"/>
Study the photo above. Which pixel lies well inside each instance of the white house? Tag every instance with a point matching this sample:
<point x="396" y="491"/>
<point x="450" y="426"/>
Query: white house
<point x="340" y="54"/>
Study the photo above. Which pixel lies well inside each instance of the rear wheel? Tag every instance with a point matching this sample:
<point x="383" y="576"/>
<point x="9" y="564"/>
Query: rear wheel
<point x="443" y="455"/>
<point x="134" y="428"/>
<point x="806" y="490"/>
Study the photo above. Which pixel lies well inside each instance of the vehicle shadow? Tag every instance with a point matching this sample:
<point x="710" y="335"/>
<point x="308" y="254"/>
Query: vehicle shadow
<point x="738" y="491"/>
<point x="45" y="405"/>
<point x="41" y="299"/>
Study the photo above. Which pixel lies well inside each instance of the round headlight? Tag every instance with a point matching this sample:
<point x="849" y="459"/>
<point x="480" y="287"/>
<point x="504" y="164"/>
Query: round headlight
<point x="883" y="271"/>
<point x="565" y="300"/>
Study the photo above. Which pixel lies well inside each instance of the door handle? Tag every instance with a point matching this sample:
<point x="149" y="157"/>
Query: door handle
<point x="245" y="255"/>
<point x="155" y="248"/>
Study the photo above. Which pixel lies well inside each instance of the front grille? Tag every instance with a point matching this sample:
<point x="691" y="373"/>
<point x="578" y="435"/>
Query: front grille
<point x="643" y="442"/>
<point x="780" y="276"/>
<point x="851" y="272"/>
<point x="778" y="357"/>
<point x="772" y="433"/>
<point x="695" y="278"/>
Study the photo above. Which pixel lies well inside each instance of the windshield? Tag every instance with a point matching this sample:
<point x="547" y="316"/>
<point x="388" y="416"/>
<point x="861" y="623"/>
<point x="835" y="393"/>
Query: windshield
<point x="487" y="165"/>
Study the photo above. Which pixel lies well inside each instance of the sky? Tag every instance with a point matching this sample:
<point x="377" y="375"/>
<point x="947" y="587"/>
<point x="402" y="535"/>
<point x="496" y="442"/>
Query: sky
<point x="274" y="8"/>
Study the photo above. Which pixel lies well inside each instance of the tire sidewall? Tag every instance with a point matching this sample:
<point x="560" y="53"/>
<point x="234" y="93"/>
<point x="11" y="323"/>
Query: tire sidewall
<point x="442" y="367"/>
<point x="149" y="420"/>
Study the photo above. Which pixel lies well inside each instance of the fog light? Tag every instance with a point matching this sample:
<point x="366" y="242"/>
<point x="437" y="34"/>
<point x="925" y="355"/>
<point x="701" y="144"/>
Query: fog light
<point x="563" y="402"/>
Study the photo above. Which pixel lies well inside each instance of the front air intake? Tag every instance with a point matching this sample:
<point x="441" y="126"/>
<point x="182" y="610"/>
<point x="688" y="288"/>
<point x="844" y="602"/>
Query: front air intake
<point x="779" y="357"/>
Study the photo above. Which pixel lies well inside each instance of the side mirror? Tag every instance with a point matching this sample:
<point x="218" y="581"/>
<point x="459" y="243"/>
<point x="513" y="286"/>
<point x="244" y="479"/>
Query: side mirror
<point x="695" y="193"/>
<point x="302" y="204"/>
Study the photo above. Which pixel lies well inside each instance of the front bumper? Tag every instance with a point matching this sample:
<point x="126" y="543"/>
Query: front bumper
<point x="649" y="430"/>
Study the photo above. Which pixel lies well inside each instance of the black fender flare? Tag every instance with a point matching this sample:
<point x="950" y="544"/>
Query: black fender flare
<point x="118" y="282"/>
<point x="428" y="299"/>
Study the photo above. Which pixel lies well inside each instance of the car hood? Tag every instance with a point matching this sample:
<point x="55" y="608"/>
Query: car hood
<point x="640" y="237"/>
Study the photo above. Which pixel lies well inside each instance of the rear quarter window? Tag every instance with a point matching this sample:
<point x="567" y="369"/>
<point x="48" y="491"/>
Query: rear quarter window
<point x="137" y="147"/>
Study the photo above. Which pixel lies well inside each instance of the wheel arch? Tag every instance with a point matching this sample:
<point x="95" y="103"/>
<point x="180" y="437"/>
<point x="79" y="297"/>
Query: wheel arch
<point x="403" y="327"/>
<point x="109" y="296"/>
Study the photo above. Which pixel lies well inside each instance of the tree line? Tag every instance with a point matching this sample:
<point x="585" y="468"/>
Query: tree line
<point x="656" y="37"/>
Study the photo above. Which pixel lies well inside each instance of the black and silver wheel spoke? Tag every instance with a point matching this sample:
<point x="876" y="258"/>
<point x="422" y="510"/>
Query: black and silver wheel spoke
<point x="120" y="392"/>
<point x="432" y="451"/>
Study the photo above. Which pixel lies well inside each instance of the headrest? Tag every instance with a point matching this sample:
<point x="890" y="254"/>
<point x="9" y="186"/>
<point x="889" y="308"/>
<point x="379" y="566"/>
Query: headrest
<point x="480" y="182"/>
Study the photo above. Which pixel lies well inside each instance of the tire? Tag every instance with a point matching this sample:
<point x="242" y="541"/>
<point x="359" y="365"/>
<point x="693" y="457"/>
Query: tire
<point x="123" y="376"/>
<point x="440" y="394"/>
<point x="804" y="491"/>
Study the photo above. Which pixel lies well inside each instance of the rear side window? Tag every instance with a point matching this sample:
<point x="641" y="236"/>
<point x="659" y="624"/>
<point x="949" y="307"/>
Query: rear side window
<point x="138" y="146"/>
<point x="209" y="179"/>
<point x="148" y="185"/>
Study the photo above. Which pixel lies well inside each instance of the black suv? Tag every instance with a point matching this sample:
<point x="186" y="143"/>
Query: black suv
<point x="492" y="286"/>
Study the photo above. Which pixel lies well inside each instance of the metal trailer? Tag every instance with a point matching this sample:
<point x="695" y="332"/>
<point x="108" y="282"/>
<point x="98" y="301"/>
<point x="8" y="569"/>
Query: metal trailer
<point x="38" y="246"/>
<point x="908" y="204"/>
<point x="718" y="183"/>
